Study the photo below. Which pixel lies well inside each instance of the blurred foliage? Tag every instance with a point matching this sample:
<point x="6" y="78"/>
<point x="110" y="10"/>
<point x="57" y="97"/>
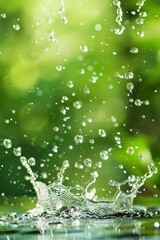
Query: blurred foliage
<point x="47" y="66"/>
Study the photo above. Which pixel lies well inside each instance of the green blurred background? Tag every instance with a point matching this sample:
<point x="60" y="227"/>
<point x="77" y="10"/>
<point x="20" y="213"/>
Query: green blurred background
<point x="60" y="80"/>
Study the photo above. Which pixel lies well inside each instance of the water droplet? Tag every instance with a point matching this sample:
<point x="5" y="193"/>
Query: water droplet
<point x="141" y="34"/>
<point x="102" y="133"/>
<point x="130" y="86"/>
<point x="117" y="74"/>
<point x="114" y="53"/>
<point x="152" y="169"/>
<point x="84" y="48"/>
<point x="23" y="160"/>
<point x="63" y="111"/>
<point x="83" y="123"/>
<point x="133" y="12"/>
<point x="139" y="21"/>
<point x="156" y="224"/>
<point x="120" y="166"/>
<point x="59" y="68"/>
<point x="78" y="165"/>
<point x="134" y="50"/>
<point x="13" y="111"/>
<point x="91" y="141"/>
<point x="104" y="155"/>
<point x="146" y="102"/>
<point x="44" y="175"/>
<point x="88" y="162"/>
<point x="82" y="71"/>
<point x="141" y="156"/>
<point x="62" y="12"/>
<point x="131" y="100"/>
<point x="93" y="79"/>
<point x="52" y="37"/>
<point x="86" y="90"/>
<point x="65" y="164"/>
<point x="16" y="27"/>
<point x="90" y="120"/>
<point x="77" y="104"/>
<point x="130" y="150"/>
<point x="65" y="98"/>
<point x="17" y="151"/>
<point x="7" y="121"/>
<point x="55" y="149"/>
<point x="7" y="143"/>
<point x="119" y="31"/>
<point x="3" y="15"/>
<point x="95" y="174"/>
<point x="56" y="129"/>
<point x="78" y="139"/>
<point x="143" y="14"/>
<point x="70" y="84"/>
<point x="98" y="27"/>
<point x="99" y="164"/>
<point x="119" y="17"/>
<point x="31" y="161"/>
<point x="138" y="102"/>
<point x="129" y="75"/>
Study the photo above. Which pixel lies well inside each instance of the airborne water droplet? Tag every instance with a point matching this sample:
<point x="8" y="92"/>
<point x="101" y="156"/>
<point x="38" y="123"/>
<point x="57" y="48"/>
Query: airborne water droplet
<point x="3" y="15"/>
<point x="143" y="14"/>
<point x="102" y="133"/>
<point x="86" y="90"/>
<point x="78" y="139"/>
<point x="60" y="68"/>
<point x="84" y="48"/>
<point x="77" y="104"/>
<point x="129" y="75"/>
<point x="104" y="155"/>
<point x="130" y="150"/>
<point x="139" y="21"/>
<point x="88" y="162"/>
<point x="91" y="141"/>
<point x="130" y="86"/>
<point x="119" y="17"/>
<point x="133" y="12"/>
<point x="138" y="102"/>
<point x="141" y="34"/>
<point x="134" y="50"/>
<point x="70" y="84"/>
<point x="62" y="12"/>
<point x="141" y="157"/>
<point x="56" y="129"/>
<point x="31" y="161"/>
<point x="17" y="151"/>
<point x="7" y="143"/>
<point x="16" y="27"/>
<point x="52" y="37"/>
<point x="98" y="27"/>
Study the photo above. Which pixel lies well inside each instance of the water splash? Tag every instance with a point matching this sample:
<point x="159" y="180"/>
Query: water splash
<point x="119" y="17"/>
<point x="140" y="4"/>
<point x="56" y="199"/>
<point x="62" y="12"/>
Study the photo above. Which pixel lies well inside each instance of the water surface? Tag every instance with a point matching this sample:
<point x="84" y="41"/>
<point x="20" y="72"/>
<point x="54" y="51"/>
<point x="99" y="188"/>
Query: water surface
<point x="140" y="223"/>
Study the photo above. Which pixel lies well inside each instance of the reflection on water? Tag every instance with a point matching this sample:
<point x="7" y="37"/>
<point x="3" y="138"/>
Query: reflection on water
<point x="141" y="223"/>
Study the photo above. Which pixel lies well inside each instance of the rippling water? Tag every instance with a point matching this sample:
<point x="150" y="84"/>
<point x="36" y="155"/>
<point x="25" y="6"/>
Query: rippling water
<point x="142" y="223"/>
